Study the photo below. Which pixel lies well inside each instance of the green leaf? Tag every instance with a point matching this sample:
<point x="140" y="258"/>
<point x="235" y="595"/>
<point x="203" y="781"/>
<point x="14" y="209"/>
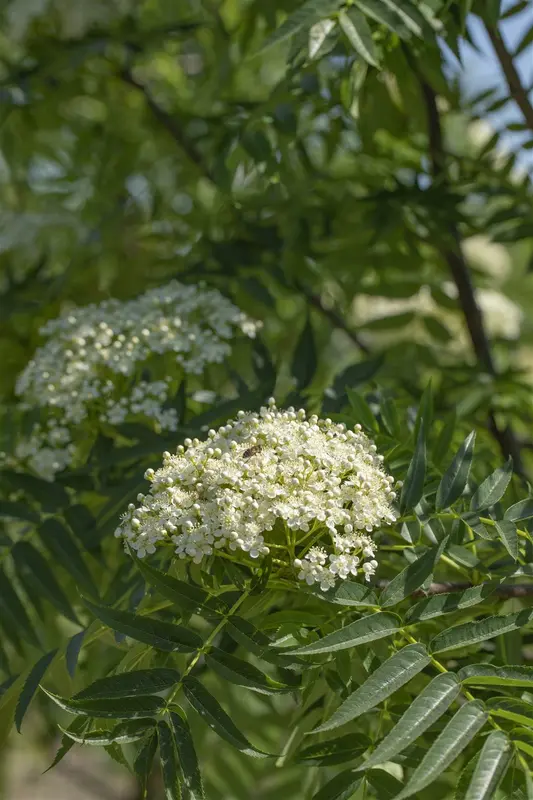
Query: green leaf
<point x="442" y="445"/>
<point x="424" y="416"/>
<point x="235" y="670"/>
<point x="490" y="675"/>
<point x="362" y="411"/>
<point x="413" y="486"/>
<point x="162" y="635"/>
<point x="82" y="524"/>
<point x="385" y="785"/>
<point x="72" y="651"/>
<point x="215" y="716"/>
<point x="30" y="560"/>
<point x="425" y="709"/>
<point x="131" y="684"/>
<point x="50" y="495"/>
<point x="455" y="478"/>
<point x="520" y="511"/>
<point x="184" y="595"/>
<point x="512" y="709"/>
<point x="452" y="741"/>
<point x="123" y="733"/>
<point x="412" y="577"/>
<point x="387" y="679"/>
<point x="493" y="488"/>
<point x="469" y="633"/>
<point x="302" y="19"/>
<point x="377" y="10"/>
<point x="187" y="756"/>
<point x="169" y="761"/>
<point x="62" y="547"/>
<point x="334" y="751"/>
<point x="411" y="17"/>
<point x="304" y="362"/>
<point x="31" y="685"/>
<point x="367" y="629"/>
<point x="12" y="610"/>
<point x="122" y="708"/>
<point x="491" y="767"/>
<point x="508" y="535"/>
<point x="346" y="593"/>
<point x="67" y="740"/>
<point x="440" y="604"/>
<point x="341" y="787"/>
<point x="142" y="765"/>
<point x="13" y="510"/>
<point x="358" y="33"/>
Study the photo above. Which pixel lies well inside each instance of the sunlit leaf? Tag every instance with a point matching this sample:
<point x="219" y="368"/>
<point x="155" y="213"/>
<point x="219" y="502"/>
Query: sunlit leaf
<point x="367" y="629"/>
<point x="452" y="741"/>
<point x="387" y="679"/>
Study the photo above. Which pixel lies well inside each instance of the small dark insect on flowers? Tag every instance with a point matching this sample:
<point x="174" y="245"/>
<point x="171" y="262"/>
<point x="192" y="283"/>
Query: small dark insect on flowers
<point x="252" y="451"/>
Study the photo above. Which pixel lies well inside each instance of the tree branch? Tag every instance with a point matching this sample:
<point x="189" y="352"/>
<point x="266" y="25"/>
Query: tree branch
<point x="461" y="274"/>
<point x="516" y="89"/>
<point x="171" y="124"/>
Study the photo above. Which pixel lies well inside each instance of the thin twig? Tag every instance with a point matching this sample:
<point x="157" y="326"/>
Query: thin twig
<point x="504" y="590"/>
<point x="461" y="274"/>
<point x="336" y="320"/>
<point x="517" y="90"/>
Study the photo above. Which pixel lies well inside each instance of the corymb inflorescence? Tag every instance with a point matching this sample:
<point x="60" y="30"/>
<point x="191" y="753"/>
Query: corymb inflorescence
<point x="306" y="490"/>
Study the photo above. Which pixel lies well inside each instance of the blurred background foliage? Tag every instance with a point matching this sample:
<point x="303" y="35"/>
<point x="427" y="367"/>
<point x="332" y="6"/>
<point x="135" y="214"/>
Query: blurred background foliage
<point x="327" y="167"/>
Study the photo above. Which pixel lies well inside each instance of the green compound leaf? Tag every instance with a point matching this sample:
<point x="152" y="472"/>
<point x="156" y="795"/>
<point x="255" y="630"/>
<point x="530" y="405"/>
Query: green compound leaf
<point x="123" y="708"/>
<point x="367" y="629"/>
<point x="130" y="684"/>
<point x="188" y="759"/>
<point x="479" y="631"/>
<point x="387" y="679"/>
<point x="455" y="478"/>
<point x="162" y="635"/>
<point x="491" y="767"/>
<point x="412" y="577"/>
<point x="217" y="719"/>
<point x="452" y="741"/>
<point x="489" y="675"/>
<point x="123" y="733"/>
<point x="169" y="761"/>
<point x="493" y="488"/>
<point x="425" y="709"/>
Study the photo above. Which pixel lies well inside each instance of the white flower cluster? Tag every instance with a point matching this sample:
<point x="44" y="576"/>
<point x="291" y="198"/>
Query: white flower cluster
<point x="271" y="481"/>
<point x="92" y="365"/>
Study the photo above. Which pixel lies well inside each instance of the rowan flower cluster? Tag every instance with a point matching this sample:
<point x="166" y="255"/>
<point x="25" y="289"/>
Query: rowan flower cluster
<point x="93" y="364"/>
<point x="309" y="491"/>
